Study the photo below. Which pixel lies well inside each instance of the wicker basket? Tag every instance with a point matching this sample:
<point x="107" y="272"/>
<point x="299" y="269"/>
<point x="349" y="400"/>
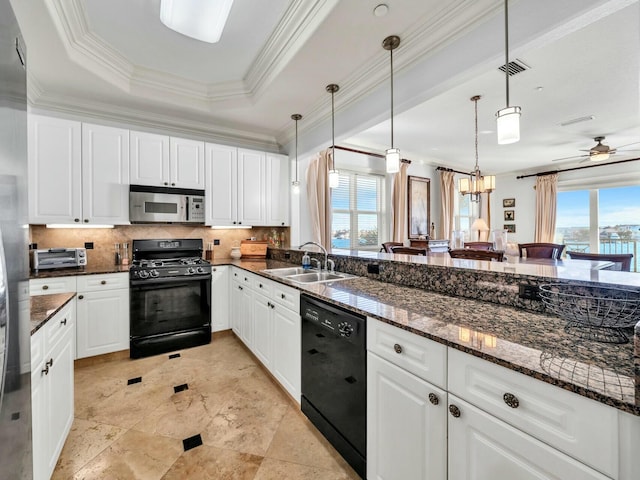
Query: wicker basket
<point x="596" y="313"/>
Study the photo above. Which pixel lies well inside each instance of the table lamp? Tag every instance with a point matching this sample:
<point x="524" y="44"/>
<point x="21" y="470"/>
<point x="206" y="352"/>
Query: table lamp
<point x="480" y="225"/>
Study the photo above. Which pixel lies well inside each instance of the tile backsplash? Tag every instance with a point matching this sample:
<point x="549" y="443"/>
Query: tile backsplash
<point x="104" y="239"/>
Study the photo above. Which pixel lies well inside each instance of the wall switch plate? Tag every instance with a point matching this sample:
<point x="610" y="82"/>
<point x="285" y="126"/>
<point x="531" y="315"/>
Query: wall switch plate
<point x="88" y="245"/>
<point x="216" y="241"/>
<point x="33" y="246"/>
<point x="529" y="292"/>
<point x="373" y="268"/>
<point x="287" y="255"/>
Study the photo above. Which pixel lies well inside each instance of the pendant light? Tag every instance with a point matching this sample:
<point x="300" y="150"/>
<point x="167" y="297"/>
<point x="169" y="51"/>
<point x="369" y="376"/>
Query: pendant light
<point x="507" y="119"/>
<point x="392" y="155"/>
<point x="334" y="175"/>
<point x="295" y="185"/>
<point x="476" y="183"/>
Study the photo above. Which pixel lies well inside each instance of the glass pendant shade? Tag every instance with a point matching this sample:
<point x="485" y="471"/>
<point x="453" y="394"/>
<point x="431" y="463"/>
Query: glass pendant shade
<point x="393" y="160"/>
<point x="488" y="183"/>
<point x="508" y="125"/>
<point x="334" y="179"/>
<point x="597" y="157"/>
<point x="464" y="186"/>
<point x="295" y="186"/>
<point x="203" y="20"/>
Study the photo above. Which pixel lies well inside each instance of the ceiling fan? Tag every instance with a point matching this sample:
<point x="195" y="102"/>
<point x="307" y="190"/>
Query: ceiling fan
<point x="598" y="152"/>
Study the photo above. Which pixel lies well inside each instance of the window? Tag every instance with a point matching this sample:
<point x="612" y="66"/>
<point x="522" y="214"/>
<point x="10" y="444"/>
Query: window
<point x="357" y="212"/>
<point x="604" y="220"/>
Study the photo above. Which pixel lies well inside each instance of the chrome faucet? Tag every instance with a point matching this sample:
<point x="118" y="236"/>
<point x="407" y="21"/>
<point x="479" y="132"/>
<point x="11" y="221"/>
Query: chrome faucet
<point x="324" y="250"/>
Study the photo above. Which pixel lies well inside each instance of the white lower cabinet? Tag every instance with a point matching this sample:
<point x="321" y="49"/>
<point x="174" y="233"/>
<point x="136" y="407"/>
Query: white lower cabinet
<point x="242" y="306"/>
<point x="286" y="365"/>
<point x="220" y="298"/>
<point x="263" y="329"/>
<point x="103" y="314"/>
<point x="52" y="389"/>
<point x="406" y="424"/>
<point x="481" y="447"/>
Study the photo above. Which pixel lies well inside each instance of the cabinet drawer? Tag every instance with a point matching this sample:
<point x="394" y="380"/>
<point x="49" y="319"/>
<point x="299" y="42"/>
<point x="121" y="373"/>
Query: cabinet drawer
<point x="262" y="285"/>
<point x="242" y="277"/>
<point x="286" y="296"/>
<point x="419" y="355"/>
<point x="49" y="286"/>
<point x="578" y="426"/>
<point x="58" y="326"/>
<point x="109" y="281"/>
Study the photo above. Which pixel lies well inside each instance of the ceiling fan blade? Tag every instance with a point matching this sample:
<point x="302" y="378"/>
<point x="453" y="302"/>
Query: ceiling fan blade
<point x="574" y="157"/>
<point x="627" y="145"/>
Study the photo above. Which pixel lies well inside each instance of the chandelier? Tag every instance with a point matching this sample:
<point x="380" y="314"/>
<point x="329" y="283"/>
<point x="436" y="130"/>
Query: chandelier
<point x="476" y="184"/>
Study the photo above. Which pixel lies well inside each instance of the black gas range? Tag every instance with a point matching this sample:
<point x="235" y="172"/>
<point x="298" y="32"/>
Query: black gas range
<point x="170" y="296"/>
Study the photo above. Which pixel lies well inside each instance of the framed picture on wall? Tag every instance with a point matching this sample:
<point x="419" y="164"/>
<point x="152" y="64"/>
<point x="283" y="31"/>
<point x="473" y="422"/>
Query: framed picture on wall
<point x="419" y="204"/>
<point x="510" y="228"/>
<point x="509" y="215"/>
<point x="508" y="202"/>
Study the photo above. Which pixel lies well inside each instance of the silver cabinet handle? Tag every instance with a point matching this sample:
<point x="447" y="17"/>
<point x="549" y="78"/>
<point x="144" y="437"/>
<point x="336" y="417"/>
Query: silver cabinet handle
<point x="433" y="398"/>
<point x="398" y="348"/>
<point x="454" y="411"/>
<point x="511" y="400"/>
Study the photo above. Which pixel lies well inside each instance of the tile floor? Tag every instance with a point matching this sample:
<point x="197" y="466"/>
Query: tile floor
<point x="211" y="413"/>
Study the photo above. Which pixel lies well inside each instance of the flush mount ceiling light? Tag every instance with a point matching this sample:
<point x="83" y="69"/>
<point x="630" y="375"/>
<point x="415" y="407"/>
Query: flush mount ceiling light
<point x="507" y="119"/>
<point x="203" y="20"/>
<point x="334" y="175"/>
<point x="476" y="183"/>
<point x="392" y="155"/>
<point x="295" y="185"/>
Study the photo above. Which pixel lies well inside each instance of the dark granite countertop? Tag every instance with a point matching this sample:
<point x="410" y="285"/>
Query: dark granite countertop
<point x="534" y="344"/>
<point x="44" y="307"/>
<point x="88" y="270"/>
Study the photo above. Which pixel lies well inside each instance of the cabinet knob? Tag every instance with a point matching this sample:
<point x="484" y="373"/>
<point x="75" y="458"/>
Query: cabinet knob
<point x="272" y="305"/>
<point x="63" y="321"/>
<point x="511" y="400"/>
<point x="240" y="287"/>
<point x="234" y="222"/>
<point x="103" y="282"/>
<point x="173" y="184"/>
<point x="86" y="220"/>
<point x="433" y="398"/>
<point x="260" y="285"/>
<point x="215" y="269"/>
<point x="398" y="348"/>
<point x="45" y="287"/>
<point x="80" y="297"/>
<point x="239" y="223"/>
<point x="166" y="183"/>
<point x="282" y="224"/>
<point x="454" y="411"/>
<point x="77" y="220"/>
<point x="282" y="295"/>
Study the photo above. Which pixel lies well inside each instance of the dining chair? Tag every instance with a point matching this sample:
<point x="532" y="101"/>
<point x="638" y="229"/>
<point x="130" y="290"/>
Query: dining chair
<point x="479" y="245"/>
<point x="471" y="254"/>
<point x="540" y="250"/>
<point x="409" y="250"/>
<point x="622" y="261"/>
<point x="386" y="246"/>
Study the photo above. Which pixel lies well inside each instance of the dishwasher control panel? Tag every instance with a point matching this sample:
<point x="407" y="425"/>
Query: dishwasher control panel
<point x="341" y="322"/>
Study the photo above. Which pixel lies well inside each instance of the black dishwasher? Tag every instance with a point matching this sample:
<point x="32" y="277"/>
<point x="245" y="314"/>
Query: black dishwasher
<point x="334" y="377"/>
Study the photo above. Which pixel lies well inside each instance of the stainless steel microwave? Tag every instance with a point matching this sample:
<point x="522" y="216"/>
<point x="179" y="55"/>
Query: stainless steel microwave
<point x="165" y="205"/>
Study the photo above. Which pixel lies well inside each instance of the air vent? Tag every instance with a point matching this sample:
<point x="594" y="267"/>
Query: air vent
<point x="514" y="67"/>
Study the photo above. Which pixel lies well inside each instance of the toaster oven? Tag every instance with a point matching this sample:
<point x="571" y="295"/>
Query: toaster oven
<point x="58" y="258"/>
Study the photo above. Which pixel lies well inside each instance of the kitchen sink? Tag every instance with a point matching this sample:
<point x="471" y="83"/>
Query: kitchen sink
<point x="300" y="275"/>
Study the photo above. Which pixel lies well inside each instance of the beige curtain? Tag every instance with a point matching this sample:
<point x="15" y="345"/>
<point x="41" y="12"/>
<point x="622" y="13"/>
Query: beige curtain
<point x="319" y="198"/>
<point x="546" y="196"/>
<point x="399" y="204"/>
<point x="447" y="192"/>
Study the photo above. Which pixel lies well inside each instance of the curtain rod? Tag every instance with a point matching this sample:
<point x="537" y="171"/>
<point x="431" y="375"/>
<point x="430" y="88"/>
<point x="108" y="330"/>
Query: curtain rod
<point x="353" y="150"/>
<point x="551" y="172"/>
<point x="445" y="169"/>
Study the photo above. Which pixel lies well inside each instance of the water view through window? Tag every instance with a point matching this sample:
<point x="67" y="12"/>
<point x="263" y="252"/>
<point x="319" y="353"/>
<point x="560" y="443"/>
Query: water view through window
<point x="612" y="227"/>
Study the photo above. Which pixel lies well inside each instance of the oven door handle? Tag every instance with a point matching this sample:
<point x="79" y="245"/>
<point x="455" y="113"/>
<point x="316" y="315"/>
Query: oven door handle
<point x="164" y="281"/>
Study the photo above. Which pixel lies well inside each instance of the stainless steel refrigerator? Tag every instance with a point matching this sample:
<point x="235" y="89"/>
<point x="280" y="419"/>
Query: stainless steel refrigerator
<point x="15" y="354"/>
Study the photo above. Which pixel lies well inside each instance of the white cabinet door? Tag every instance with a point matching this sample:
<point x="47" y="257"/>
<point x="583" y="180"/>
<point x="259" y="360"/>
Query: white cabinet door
<point x="246" y="316"/>
<point x="186" y="164"/>
<point x="237" y="310"/>
<point x="263" y="329"/>
<point x="251" y="187"/>
<point x="105" y="175"/>
<point x="39" y="407"/>
<point x="221" y="185"/>
<point x="55" y="175"/>
<point x="102" y="322"/>
<point x="278" y="190"/>
<point x="286" y="349"/>
<point x="149" y="156"/>
<point x="481" y="447"/>
<point x="406" y="425"/>
<point x="219" y="298"/>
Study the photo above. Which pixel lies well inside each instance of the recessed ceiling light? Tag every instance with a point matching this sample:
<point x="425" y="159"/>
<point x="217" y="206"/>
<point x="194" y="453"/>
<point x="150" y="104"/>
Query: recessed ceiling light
<point x="381" y="10"/>
<point x="203" y="20"/>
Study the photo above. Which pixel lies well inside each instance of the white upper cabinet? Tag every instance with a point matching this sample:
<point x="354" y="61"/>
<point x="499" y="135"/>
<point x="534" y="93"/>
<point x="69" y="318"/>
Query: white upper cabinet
<point x="78" y="173"/>
<point x="246" y="187"/>
<point x="159" y="160"/>
<point x="105" y="174"/>
<point x="55" y="170"/>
